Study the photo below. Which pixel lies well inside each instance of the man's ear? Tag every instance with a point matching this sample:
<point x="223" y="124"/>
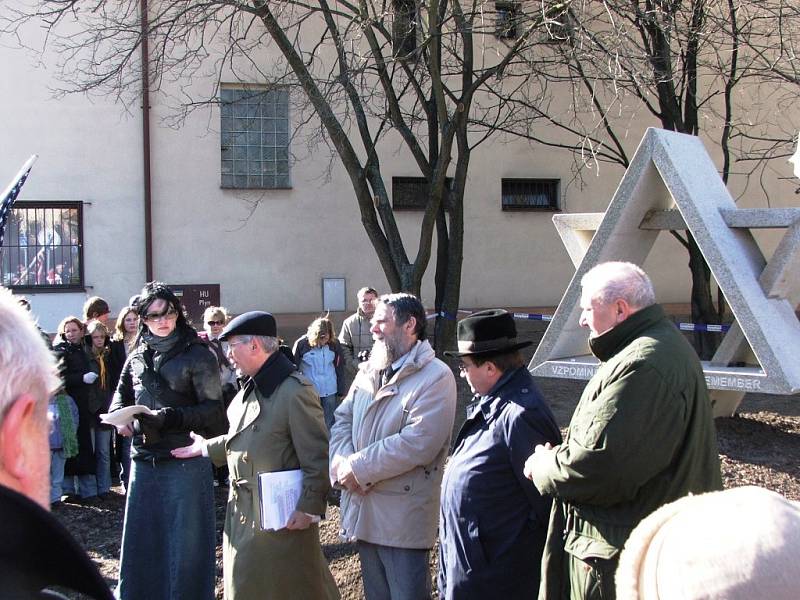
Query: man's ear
<point x="623" y="310"/>
<point x="16" y="436"/>
<point x="410" y="325"/>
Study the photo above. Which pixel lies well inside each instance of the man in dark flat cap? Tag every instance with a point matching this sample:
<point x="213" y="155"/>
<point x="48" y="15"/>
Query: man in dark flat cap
<point x="276" y="424"/>
<point x="493" y="521"/>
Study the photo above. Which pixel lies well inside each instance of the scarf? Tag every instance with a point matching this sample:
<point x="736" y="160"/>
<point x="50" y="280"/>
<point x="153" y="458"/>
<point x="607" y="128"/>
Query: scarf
<point x="216" y="347"/>
<point x="100" y="357"/>
<point x="69" y="438"/>
<point x="162" y="345"/>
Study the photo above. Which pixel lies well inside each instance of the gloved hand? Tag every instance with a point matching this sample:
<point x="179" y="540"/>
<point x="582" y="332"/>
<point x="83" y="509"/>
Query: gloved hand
<point x="150" y="426"/>
<point x="89" y="377"/>
<point x="154" y="421"/>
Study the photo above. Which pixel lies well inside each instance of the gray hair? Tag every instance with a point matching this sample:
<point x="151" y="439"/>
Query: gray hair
<point x="268" y="343"/>
<point x="26" y="364"/>
<point x="611" y="281"/>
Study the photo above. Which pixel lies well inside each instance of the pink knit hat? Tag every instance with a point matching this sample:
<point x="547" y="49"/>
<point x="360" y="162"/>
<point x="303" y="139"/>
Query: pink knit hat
<point x="738" y="544"/>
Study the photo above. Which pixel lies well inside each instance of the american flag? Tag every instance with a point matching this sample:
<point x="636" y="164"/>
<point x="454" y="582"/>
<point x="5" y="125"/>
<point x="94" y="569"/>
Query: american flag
<point x="11" y="192"/>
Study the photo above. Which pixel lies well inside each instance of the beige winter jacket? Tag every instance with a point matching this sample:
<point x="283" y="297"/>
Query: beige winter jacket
<point x="397" y="437"/>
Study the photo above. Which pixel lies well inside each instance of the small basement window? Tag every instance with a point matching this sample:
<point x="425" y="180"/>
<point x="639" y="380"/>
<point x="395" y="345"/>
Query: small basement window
<point x="530" y="194"/>
<point x="411" y="193"/>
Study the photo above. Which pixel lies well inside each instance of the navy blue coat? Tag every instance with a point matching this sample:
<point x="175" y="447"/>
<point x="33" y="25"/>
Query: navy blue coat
<point x="493" y="521"/>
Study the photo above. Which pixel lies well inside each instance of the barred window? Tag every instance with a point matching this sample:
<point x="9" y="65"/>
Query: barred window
<point x="411" y="193"/>
<point x="43" y="246"/>
<point x="255" y="138"/>
<point x="530" y="194"/>
<point x="507" y="19"/>
<point x="404" y="28"/>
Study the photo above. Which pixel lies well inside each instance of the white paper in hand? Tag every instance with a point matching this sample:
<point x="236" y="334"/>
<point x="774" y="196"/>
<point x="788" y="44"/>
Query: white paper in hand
<point x="279" y="492"/>
<point x="124" y="416"/>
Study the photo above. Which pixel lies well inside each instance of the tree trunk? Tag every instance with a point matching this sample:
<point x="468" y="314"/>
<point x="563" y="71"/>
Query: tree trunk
<point x="450" y="292"/>
<point x="703" y="310"/>
<point x="449" y="295"/>
<point x="445" y="328"/>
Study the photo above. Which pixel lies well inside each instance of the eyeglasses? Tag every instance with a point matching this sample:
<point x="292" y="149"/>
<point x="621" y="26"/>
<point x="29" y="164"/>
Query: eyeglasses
<point x="232" y="344"/>
<point x="215" y="323"/>
<point x="170" y="313"/>
<point x="464" y="367"/>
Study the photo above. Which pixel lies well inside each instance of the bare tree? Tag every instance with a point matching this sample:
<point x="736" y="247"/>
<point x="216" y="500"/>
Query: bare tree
<point x="371" y="72"/>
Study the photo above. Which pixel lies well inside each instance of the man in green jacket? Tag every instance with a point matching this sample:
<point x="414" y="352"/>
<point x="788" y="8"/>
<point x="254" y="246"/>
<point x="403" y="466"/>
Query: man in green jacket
<point x="642" y="435"/>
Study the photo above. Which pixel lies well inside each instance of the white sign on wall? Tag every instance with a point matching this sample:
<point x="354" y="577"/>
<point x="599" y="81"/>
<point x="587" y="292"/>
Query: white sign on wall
<point x="333" y="294"/>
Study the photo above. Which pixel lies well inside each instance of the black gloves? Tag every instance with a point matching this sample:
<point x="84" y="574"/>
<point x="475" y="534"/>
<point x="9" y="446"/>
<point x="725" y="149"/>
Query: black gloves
<point x="151" y="425"/>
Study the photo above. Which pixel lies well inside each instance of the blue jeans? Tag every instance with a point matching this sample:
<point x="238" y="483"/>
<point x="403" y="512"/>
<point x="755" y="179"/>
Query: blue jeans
<point x="125" y="459"/>
<point x="86" y="487"/>
<point x="57" y="461"/>
<point x="102" y="455"/>
<point x="328" y="408"/>
<point x="91" y="485"/>
<point x="394" y="573"/>
<point x="87" y="484"/>
<point x="168" y="538"/>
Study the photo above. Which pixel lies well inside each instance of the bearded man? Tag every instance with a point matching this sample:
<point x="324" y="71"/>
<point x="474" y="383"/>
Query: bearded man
<point x="388" y="446"/>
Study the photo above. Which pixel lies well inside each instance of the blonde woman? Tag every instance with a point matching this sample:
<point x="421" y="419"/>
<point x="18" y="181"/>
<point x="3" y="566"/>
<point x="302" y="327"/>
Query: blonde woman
<point x="318" y="355"/>
<point x="122" y="343"/>
<point x="125" y="330"/>
<point x="214" y="320"/>
<point x="108" y="370"/>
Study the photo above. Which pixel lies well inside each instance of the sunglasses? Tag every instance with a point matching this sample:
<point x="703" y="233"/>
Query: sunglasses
<point x="170" y="313"/>
<point x="215" y="323"/>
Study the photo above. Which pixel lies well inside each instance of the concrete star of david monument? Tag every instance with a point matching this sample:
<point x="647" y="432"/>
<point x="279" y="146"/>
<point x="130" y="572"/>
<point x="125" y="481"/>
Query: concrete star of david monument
<point x="673" y="184"/>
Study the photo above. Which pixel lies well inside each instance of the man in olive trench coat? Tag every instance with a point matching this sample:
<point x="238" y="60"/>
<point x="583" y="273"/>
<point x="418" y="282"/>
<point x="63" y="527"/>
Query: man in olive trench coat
<point x="276" y="424"/>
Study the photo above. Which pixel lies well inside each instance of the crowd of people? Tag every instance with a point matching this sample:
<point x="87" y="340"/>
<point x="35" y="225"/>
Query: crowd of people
<point x="365" y="421"/>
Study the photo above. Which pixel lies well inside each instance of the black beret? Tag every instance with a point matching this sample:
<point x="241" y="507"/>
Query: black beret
<point x="255" y="322"/>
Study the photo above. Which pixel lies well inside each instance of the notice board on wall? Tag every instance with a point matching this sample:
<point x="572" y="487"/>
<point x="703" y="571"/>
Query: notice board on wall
<point x="196" y="298"/>
<point x="333" y="294"/>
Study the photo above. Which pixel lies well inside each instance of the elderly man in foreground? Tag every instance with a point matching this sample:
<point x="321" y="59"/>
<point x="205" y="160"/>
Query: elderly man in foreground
<point x="36" y="551"/>
<point x="642" y="435"/>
